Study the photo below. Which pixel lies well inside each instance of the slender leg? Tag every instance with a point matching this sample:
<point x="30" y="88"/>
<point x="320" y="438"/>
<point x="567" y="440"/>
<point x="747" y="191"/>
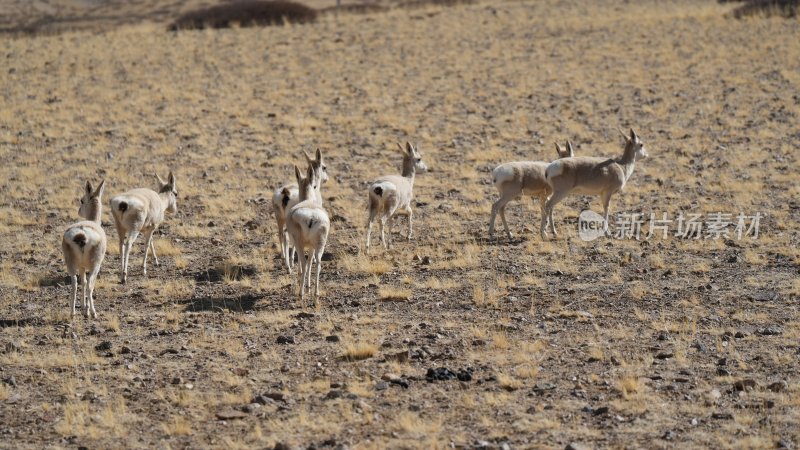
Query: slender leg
<point x="148" y="237"/>
<point x="319" y="269"/>
<point x="383" y="235"/>
<point x="369" y="232"/>
<point x="153" y="251"/>
<point x="128" y="245"/>
<point x="496" y="207"/>
<point x="551" y="203"/>
<point x="122" y="247"/>
<point x="606" y="198"/>
<point x="389" y="225"/>
<point x="410" y="215"/>
<point x="505" y="224"/>
<point x="85" y="288"/>
<point x="74" y="292"/>
<point x="301" y="276"/>
<point x="92" y="280"/>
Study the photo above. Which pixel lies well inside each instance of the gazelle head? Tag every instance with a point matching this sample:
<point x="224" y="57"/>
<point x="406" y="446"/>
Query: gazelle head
<point x="91" y="200"/>
<point x="412" y="156"/>
<point x="318" y="164"/>
<point x="638" y="146"/>
<point x="567" y="152"/>
<point x="168" y="187"/>
<point x="310" y="184"/>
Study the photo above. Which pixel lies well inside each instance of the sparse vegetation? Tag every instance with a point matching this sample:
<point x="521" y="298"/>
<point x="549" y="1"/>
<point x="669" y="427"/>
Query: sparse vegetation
<point x="609" y="343"/>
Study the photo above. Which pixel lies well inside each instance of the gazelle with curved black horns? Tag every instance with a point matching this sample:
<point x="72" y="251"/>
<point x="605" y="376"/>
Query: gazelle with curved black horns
<point x="142" y="211"/>
<point x="84" y="246"/>
<point x="588" y="175"/>
<point x="308" y="226"/>
<point x="391" y="195"/>
<point x="284" y="198"/>
<point x="518" y="178"/>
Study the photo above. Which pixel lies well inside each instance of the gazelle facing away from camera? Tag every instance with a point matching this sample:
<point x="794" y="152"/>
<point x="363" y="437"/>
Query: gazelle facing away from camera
<point x="593" y="176"/>
<point x="307" y="224"/>
<point x="283" y="199"/>
<point x="142" y="211"/>
<point x="84" y="247"/>
<point x="518" y="178"/>
<point x="391" y="195"/>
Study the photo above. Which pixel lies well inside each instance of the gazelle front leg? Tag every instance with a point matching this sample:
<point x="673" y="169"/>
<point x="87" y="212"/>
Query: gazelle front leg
<point x="606" y="198"/>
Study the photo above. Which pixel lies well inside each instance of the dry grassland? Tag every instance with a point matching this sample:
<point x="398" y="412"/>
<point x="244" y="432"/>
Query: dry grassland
<point x="612" y="343"/>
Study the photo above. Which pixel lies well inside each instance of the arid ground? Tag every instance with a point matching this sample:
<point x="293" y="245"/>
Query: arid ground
<point x="667" y="342"/>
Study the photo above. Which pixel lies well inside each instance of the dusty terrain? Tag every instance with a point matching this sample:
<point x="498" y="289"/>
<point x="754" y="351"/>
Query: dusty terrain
<point x="660" y="343"/>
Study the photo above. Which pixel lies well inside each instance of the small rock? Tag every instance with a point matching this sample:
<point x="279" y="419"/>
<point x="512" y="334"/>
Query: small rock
<point x="600" y="411"/>
<point x="723" y="372"/>
<point x="722" y="416"/>
<point x="250" y="408"/>
<point x="124" y="350"/>
<point x="103" y="346"/>
<point x="277" y="396"/>
<point x="281" y="446"/>
<point x="663" y="336"/>
<point x="693" y="422"/>
<point x="11" y="381"/>
<point x="333" y="394"/>
<point x="426" y="260"/>
<point x="783" y="443"/>
<point x="715" y="394"/>
<point x="381" y="386"/>
<point x="177" y="380"/>
<point x="285" y="340"/>
<point x="743" y="385"/>
<point x="740" y="335"/>
<point x="664" y="355"/>
<point x="668" y="435"/>
<point x="332" y="338"/>
<point x="769" y="331"/>
<point x="778" y="386"/>
<point x="240" y="371"/>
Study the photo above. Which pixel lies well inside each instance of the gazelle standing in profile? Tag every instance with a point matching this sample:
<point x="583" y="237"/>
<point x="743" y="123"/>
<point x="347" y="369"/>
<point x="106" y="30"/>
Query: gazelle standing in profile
<point x="391" y="195"/>
<point x="518" y="178"/>
<point x="308" y="225"/>
<point x="588" y="175"/>
<point x="84" y="246"/>
<point x="142" y="211"/>
<point x="283" y="199"/>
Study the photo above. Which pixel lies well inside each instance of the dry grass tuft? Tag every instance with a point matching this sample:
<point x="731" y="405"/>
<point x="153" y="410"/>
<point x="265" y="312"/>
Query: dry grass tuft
<point x="357" y="351"/>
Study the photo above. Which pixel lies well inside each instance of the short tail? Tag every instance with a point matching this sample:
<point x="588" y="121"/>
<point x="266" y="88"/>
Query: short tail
<point x="286" y="196"/>
<point x="378" y="191"/>
<point x="123" y="206"/>
<point x="79" y="239"/>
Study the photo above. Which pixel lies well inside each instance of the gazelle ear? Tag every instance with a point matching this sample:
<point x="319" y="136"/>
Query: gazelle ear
<point x="89" y="188"/>
<point x="298" y="175"/>
<point x="308" y="158"/>
<point x="310" y="172"/>
<point x="409" y="148"/>
<point x="570" y="150"/>
<point x="558" y="149"/>
<point x="400" y="146"/>
<point x="634" y="137"/>
<point x="171" y="179"/>
<point x="99" y="191"/>
<point x="160" y="180"/>
<point x="319" y="156"/>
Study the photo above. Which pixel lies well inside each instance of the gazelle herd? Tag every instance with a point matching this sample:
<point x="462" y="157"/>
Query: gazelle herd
<point x="303" y="223"/>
